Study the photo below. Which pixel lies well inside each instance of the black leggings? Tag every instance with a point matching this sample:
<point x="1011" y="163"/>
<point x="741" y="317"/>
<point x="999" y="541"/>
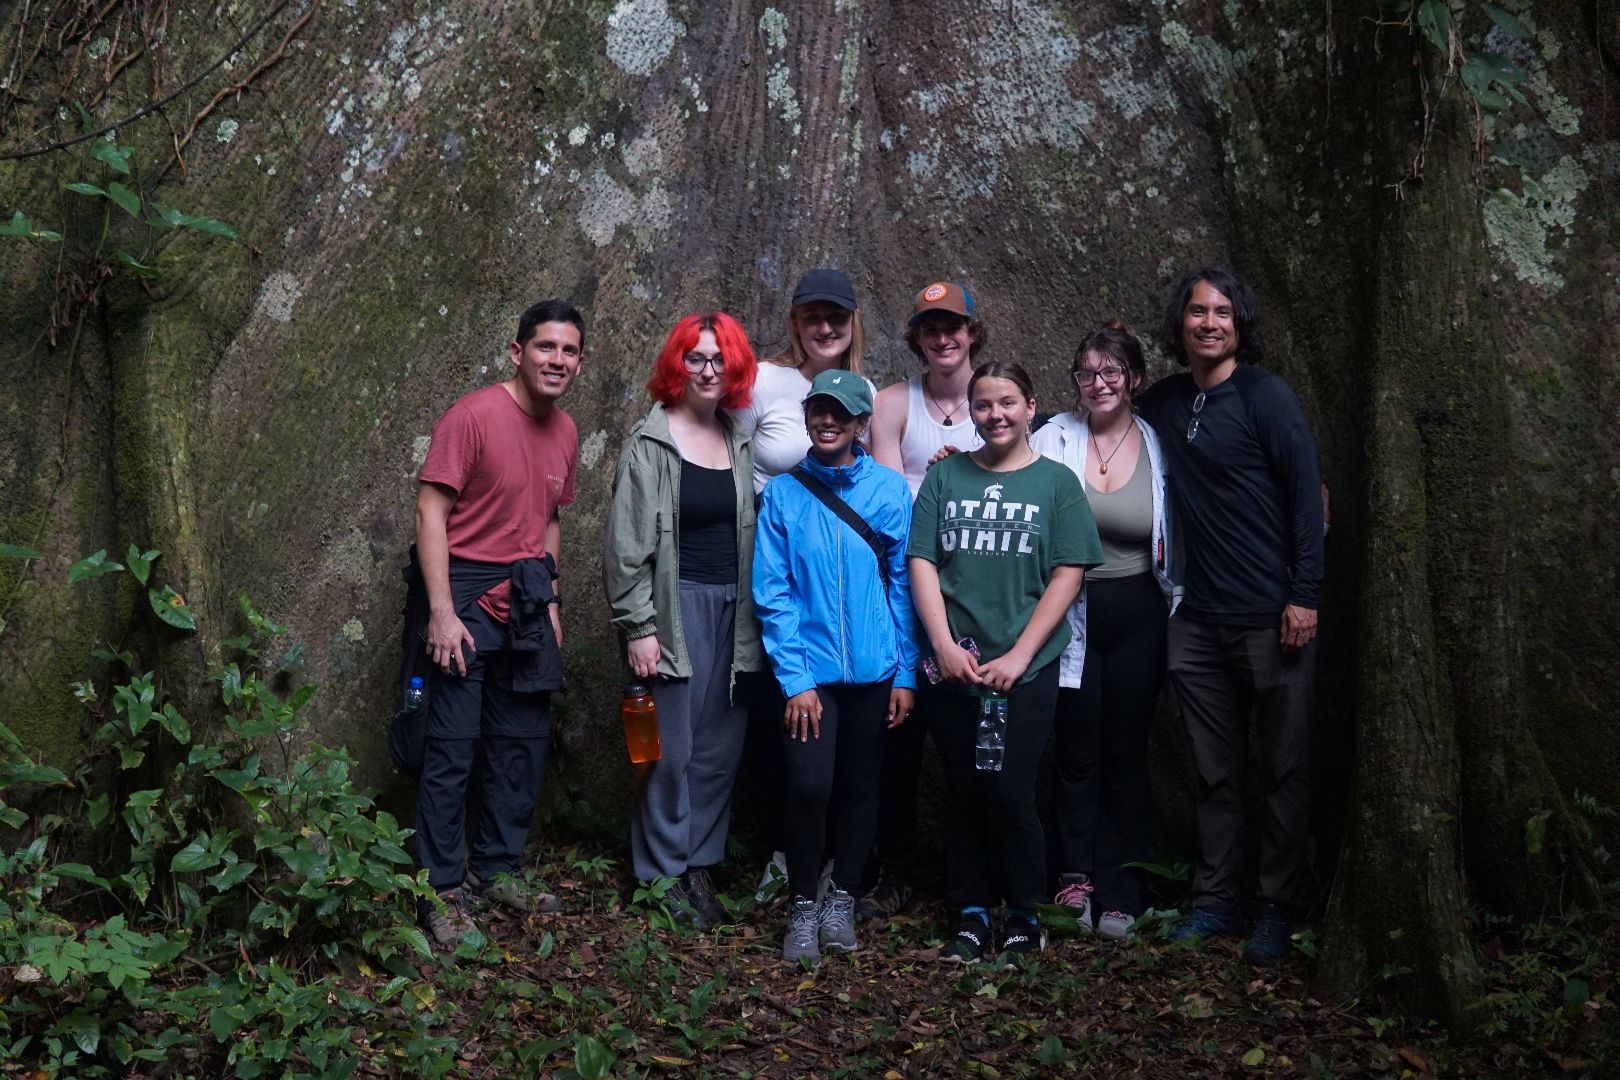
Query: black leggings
<point x="848" y="757"/>
<point x="1102" y="739"/>
<point x="995" y="849"/>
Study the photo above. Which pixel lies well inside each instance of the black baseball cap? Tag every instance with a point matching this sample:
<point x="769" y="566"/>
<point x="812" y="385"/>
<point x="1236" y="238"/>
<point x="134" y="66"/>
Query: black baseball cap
<point x="825" y="284"/>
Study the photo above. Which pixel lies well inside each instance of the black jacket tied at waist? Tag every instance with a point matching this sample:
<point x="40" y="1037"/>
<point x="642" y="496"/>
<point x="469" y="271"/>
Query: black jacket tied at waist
<point x="529" y="636"/>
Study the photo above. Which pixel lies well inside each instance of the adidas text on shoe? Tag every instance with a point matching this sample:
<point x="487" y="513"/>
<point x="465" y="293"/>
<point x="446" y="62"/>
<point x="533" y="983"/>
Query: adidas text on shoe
<point x="511" y="892"/>
<point x="448" y="925"/>
<point x="968" y="943"/>
<point x="1074" y="892"/>
<point x="837" y="921"/>
<point x="1203" y="923"/>
<point x="1115" y="925"/>
<point x="802" y="926"/>
<point x="1272" y="936"/>
<point x="1021" y="942"/>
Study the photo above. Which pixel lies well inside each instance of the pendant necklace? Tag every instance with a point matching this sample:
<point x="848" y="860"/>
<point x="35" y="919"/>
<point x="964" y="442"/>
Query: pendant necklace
<point x="947" y="415"/>
<point x="1102" y="462"/>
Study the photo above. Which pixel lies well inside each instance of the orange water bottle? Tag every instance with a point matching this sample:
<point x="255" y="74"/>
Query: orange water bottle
<point x="640" y="717"/>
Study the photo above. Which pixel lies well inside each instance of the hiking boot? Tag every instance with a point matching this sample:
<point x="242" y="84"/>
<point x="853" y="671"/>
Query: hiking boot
<point x="1074" y="893"/>
<point x="968" y="944"/>
<point x="800" y="941"/>
<point x="1272" y="936"/>
<point x="837" y="921"/>
<point x="511" y="892"/>
<point x="1203" y="923"/>
<point x="682" y="906"/>
<point x="700" y="891"/>
<point x="1021" y="941"/>
<point x="889" y="895"/>
<point x="1115" y="925"/>
<point x="773" y="880"/>
<point x="447" y="926"/>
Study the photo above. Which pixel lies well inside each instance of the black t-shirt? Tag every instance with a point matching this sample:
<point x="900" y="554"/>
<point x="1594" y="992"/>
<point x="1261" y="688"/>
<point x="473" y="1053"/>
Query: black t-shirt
<point x="1245" y="492"/>
<point x="708" y="525"/>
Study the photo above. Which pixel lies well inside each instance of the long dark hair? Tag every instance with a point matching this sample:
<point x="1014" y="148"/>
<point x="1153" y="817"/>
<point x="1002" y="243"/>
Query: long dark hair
<point x="1245" y="314"/>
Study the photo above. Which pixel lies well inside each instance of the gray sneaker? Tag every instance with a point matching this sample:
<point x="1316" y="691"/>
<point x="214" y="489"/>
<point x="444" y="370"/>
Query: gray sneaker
<point x="448" y="925"/>
<point x="512" y="892"/>
<point x="1115" y="925"/>
<point x="837" y="919"/>
<point x="800" y="941"/>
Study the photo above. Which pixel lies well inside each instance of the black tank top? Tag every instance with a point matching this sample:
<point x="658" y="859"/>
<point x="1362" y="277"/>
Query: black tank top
<point x="708" y="529"/>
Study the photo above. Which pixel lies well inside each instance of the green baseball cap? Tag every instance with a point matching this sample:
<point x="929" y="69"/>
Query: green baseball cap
<point x="850" y="390"/>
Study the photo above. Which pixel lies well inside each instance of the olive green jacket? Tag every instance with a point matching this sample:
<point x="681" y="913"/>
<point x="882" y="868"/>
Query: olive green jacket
<point x="641" y="548"/>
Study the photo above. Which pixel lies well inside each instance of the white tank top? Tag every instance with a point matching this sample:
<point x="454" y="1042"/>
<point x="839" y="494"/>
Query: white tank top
<point x="924" y="435"/>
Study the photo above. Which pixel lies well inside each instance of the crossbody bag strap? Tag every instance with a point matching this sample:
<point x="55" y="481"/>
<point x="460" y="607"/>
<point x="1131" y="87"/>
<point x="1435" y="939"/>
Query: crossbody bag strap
<point x="830" y="499"/>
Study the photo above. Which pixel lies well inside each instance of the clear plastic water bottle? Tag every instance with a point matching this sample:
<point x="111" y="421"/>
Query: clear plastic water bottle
<point x="992" y="741"/>
<point x="413" y="695"/>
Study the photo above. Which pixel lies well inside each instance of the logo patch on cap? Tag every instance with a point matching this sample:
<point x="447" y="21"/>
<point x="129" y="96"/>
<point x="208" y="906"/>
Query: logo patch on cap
<point x="933" y="292"/>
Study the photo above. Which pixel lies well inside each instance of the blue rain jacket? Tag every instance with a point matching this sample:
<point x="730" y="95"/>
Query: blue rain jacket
<point x="817" y="589"/>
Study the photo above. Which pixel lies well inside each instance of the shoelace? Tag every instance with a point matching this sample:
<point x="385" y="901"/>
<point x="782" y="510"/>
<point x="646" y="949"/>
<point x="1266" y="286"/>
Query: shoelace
<point x="1077" y="894"/>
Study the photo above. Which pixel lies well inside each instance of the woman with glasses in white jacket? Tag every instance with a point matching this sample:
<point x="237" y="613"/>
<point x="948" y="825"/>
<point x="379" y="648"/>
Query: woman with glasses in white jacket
<point x="1111" y="672"/>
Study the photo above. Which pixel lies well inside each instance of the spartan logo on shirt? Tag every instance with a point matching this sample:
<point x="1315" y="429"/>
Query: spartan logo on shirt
<point x="989" y="525"/>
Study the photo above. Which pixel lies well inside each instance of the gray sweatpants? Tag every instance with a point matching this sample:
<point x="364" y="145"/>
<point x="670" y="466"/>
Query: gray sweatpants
<point x="684" y="806"/>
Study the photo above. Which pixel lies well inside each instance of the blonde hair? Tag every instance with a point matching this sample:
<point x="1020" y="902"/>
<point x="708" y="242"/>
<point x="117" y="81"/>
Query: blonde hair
<point x="793" y="356"/>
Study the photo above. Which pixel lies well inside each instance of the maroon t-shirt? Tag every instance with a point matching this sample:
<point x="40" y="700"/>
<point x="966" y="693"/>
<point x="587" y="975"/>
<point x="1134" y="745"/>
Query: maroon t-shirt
<point x="510" y="472"/>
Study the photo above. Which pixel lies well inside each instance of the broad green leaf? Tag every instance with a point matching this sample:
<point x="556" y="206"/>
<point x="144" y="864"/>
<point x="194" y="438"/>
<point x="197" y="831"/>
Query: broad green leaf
<point x="79" y="187"/>
<point x="28" y="772"/>
<point x="193" y="857"/>
<point x="175" y="724"/>
<point x="20" y="225"/>
<point x="162" y="215"/>
<point x="207" y="225"/>
<point x="82" y="1026"/>
<point x="140" y="562"/>
<point x="1508" y="21"/>
<point x="148" y="272"/>
<point x="1254" y="1057"/>
<point x="124" y="197"/>
<point x="84" y="116"/>
<point x="92" y="566"/>
<point x="114" y="157"/>
<point x="592" y="1060"/>
<point x="232" y="876"/>
<point x="1576" y="993"/>
<point x="17" y="551"/>
<point x="1435" y="22"/>
<point x="171" y="607"/>
<point x="81" y="872"/>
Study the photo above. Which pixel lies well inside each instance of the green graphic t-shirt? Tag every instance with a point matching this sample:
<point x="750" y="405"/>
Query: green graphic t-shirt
<point x="995" y="537"/>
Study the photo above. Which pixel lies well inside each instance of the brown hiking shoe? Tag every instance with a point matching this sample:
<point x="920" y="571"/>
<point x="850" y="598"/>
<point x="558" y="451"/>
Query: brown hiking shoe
<point x="515" y="893"/>
<point x="449" y="925"/>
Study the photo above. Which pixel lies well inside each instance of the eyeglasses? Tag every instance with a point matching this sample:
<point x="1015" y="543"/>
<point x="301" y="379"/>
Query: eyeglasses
<point x="1113" y="376"/>
<point x="696" y="362"/>
<point x="1192" y="425"/>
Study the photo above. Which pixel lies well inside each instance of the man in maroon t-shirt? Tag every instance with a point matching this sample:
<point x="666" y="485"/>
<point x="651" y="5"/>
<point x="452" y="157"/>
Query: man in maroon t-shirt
<point x="500" y="466"/>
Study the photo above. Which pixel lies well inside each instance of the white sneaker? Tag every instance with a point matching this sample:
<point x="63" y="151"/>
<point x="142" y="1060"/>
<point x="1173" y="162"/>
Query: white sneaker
<point x="1116" y="925"/>
<point x="774" y="880"/>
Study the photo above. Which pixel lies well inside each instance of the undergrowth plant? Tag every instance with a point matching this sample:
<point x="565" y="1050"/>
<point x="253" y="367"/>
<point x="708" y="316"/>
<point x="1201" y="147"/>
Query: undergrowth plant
<point x="227" y="894"/>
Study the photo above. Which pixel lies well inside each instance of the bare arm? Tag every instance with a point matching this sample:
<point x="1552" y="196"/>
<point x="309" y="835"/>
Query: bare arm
<point x="956" y="664"/>
<point x="1004" y="671"/>
<point x="447" y="636"/>
<point x="554" y="549"/>
<point x="889" y="426"/>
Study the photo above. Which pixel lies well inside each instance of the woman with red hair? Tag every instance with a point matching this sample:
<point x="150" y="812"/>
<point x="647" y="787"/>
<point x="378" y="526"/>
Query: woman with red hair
<point x="676" y="563"/>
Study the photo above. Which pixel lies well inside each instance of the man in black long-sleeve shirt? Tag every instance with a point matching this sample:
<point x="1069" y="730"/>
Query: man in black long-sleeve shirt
<point x="1245" y="491"/>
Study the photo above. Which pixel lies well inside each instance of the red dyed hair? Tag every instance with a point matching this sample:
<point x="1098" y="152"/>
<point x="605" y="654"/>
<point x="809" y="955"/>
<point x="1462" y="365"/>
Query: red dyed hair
<point x="668" y="380"/>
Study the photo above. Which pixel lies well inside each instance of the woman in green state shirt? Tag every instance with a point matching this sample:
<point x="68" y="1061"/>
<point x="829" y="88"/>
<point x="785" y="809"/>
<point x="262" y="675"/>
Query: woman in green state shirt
<point x="1000" y="541"/>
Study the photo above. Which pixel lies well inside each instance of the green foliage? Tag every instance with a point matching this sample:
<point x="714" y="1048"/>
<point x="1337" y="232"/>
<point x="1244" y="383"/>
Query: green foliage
<point x="1456" y="32"/>
<point x="226" y="894"/>
<point x="122" y="236"/>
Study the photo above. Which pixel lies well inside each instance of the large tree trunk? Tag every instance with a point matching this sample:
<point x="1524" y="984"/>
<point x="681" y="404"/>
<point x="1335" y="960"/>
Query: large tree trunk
<point x="407" y="179"/>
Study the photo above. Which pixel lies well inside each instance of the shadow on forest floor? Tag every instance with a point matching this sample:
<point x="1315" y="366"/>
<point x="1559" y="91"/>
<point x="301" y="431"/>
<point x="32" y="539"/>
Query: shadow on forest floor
<point x="597" y="990"/>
